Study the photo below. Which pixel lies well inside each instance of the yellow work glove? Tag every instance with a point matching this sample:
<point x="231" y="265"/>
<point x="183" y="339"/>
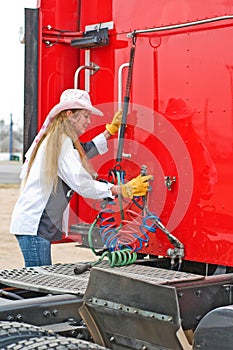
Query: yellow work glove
<point x="115" y="124"/>
<point x="136" y="187"/>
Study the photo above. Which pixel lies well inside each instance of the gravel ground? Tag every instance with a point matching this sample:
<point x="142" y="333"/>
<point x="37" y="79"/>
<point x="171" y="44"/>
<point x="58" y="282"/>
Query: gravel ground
<point x="10" y="256"/>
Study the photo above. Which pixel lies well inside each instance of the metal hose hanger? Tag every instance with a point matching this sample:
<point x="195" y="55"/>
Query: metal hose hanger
<point x="126" y="103"/>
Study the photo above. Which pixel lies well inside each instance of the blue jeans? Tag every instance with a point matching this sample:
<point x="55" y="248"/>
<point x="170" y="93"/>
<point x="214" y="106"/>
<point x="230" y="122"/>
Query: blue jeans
<point x="36" y="250"/>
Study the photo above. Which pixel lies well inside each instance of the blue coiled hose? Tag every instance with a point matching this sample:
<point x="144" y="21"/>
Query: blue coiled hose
<point x="125" y="240"/>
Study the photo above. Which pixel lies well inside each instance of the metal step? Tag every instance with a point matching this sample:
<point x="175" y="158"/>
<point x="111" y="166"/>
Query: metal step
<point x="60" y="278"/>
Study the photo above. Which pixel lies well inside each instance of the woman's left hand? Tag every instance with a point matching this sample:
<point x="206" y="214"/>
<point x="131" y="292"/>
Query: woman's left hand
<point x="115" y="124"/>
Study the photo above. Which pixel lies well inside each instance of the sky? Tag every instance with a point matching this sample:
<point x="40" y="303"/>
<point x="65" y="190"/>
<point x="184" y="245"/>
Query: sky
<point x="11" y="62"/>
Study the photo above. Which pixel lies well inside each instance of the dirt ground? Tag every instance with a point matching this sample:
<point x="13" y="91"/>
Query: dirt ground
<point x="10" y="255"/>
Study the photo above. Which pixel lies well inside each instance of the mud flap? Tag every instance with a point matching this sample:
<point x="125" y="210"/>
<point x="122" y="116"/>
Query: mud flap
<point x="126" y="311"/>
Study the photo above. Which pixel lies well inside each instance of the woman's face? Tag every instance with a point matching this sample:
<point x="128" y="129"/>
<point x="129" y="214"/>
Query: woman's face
<point x="80" y="121"/>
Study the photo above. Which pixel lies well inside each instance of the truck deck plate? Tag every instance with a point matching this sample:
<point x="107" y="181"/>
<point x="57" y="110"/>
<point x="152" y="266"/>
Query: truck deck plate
<point x="60" y="278"/>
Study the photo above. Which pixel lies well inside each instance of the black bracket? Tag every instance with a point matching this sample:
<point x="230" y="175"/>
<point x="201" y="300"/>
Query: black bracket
<point x="92" y="39"/>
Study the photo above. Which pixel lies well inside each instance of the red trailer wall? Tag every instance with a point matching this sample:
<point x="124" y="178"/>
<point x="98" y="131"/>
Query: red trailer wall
<point x="192" y="64"/>
<point x="57" y="61"/>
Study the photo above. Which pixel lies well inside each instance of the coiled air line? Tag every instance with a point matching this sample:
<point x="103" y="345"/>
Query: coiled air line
<point x="124" y="240"/>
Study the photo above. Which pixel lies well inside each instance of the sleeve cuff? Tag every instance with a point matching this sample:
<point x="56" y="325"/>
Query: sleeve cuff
<point x="100" y="143"/>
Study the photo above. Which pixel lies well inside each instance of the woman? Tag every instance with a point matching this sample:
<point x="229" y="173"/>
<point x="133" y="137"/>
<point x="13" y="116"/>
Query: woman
<point x="56" y="165"/>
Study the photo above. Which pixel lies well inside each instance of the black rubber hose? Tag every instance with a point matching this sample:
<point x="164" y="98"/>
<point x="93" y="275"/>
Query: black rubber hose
<point x="125" y="106"/>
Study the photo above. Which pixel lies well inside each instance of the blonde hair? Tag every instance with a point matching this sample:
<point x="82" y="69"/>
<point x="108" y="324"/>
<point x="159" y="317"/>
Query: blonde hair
<point x="59" y="126"/>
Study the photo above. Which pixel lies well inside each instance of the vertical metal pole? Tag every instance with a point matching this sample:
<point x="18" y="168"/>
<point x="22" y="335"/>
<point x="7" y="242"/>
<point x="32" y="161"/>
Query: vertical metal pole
<point x="87" y="71"/>
<point x="31" y="77"/>
<point x="1" y="133"/>
<point x="11" y="137"/>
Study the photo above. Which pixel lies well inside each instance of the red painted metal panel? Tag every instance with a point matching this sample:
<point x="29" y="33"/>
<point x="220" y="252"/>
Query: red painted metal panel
<point x="132" y="15"/>
<point x="57" y="61"/>
<point x="192" y="66"/>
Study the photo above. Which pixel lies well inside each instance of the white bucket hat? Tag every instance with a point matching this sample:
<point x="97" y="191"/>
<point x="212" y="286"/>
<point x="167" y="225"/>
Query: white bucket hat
<point x="70" y="99"/>
<point x="73" y="99"/>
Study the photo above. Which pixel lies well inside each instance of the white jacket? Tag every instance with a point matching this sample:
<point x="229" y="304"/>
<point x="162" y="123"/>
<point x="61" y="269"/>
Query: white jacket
<point x="34" y="196"/>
